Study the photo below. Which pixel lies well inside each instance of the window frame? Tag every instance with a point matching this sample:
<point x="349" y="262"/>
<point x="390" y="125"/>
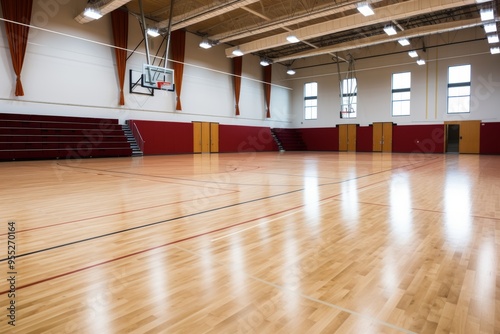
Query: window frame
<point x="400" y="90"/>
<point x="314" y="108"/>
<point x="458" y="85"/>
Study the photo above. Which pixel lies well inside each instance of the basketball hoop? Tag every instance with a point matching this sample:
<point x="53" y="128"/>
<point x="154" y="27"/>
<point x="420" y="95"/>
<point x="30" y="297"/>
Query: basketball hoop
<point x="344" y="114"/>
<point x="164" y="85"/>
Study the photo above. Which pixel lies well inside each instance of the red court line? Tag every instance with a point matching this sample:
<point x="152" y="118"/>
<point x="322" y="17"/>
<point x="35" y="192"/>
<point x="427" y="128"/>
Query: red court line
<point x="187" y="238"/>
<point x="116" y="213"/>
<point x="152" y="248"/>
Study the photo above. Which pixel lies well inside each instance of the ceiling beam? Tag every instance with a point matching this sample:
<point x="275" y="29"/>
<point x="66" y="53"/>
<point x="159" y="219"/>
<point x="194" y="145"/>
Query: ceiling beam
<point x="287" y="21"/>
<point x="205" y="13"/>
<point x="105" y="8"/>
<point x="382" y="15"/>
<point x="381" y="39"/>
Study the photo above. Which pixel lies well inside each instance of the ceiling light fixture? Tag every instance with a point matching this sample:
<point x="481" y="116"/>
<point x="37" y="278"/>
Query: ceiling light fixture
<point x="290" y="71"/>
<point x="205" y="44"/>
<point x="365" y="9"/>
<point x="237" y="52"/>
<point x="486" y="14"/>
<point x="153" y="32"/>
<point x="265" y="62"/>
<point x="495" y="50"/>
<point x="390" y="30"/>
<point x="413" y="54"/>
<point x="492" y="39"/>
<point x="490" y="27"/>
<point x="404" y="41"/>
<point x="292" y="39"/>
<point x="421" y="62"/>
<point x="482" y="1"/>
<point x="92" y="13"/>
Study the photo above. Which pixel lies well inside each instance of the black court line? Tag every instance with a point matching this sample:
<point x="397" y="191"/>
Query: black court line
<point x="242" y="184"/>
<point x="200" y="213"/>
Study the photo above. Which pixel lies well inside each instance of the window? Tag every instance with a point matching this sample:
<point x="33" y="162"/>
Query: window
<point x="349" y="98"/>
<point x="401" y="85"/>
<point x="459" y="89"/>
<point x="311" y="100"/>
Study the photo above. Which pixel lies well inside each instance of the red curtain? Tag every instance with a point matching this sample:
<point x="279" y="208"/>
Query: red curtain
<point x="119" y="21"/>
<point x="237" y="68"/>
<point x="17" y="34"/>
<point x="178" y="39"/>
<point x="268" y="70"/>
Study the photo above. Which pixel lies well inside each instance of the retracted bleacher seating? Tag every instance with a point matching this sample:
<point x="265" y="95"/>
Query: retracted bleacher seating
<point x="32" y="137"/>
<point x="290" y="139"/>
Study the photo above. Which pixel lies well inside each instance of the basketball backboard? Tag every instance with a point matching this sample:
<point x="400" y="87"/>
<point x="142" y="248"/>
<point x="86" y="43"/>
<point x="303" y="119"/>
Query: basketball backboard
<point x="156" y="77"/>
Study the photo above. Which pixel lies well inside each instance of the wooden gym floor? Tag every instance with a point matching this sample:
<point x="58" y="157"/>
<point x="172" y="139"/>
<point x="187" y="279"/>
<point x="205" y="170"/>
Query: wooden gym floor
<point x="253" y="243"/>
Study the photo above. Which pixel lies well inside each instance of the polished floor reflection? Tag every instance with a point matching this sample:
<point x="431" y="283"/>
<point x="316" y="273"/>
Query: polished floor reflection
<point x="254" y="243"/>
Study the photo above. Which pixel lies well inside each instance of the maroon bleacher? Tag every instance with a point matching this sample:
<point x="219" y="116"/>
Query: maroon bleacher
<point x="24" y="137"/>
<point x="290" y="139"/>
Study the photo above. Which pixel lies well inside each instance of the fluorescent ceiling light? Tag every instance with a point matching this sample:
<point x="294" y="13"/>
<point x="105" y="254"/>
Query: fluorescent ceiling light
<point x="421" y="62"/>
<point x="404" y="41"/>
<point x="486" y="14"/>
<point x="413" y="54"/>
<point x="264" y="62"/>
<point x="205" y="44"/>
<point x="482" y="1"/>
<point x="237" y="52"/>
<point x="292" y="39"/>
<point x="490" y="27"/>
<point x="365" y="9"/>
<point x="492" y="39"/>
<point x="495" y="50"/>
<point x="153" y="32"/>
<point x="290" y="71"/>
<point x="92" y="13"/>
<point x="390" y="30"/>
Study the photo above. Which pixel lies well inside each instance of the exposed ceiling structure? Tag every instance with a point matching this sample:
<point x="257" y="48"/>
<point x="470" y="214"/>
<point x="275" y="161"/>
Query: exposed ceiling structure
<point x="261" y="27"/>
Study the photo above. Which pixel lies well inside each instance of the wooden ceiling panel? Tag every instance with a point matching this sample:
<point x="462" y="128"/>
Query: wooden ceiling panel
<point x="240" y="22"/>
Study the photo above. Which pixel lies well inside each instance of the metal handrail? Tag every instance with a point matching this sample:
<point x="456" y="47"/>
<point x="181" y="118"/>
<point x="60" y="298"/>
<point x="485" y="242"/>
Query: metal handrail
<point x="137" y="133"/>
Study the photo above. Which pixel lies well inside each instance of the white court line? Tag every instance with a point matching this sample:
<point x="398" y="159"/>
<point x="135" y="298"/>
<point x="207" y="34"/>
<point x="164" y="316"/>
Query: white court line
<point x="315" y="300"/>
<point x="248" y="228"/>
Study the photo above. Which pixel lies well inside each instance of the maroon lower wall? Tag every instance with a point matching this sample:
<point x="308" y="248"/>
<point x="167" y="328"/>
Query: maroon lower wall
<point x="364" y="139"/>
<point x="166" y="137"/>
<point x="489" y="142"/>
<point x="321" y="139"/>
<point x="174" y="138"/>
<point x="235" y="138"/>
<point x="418" y="138"/>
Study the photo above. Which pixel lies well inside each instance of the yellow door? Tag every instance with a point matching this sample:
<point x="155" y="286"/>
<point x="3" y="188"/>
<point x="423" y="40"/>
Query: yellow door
<point x="387" y="137"/>
<point x="469" y="136"/>
<point x="214" y="137"/>
<point x="205" y="137"/>
<point x="343" y="137"/>
<point x="197" y="137"/>
<point x="377" y="137"/>
<point x="351" y="137"/>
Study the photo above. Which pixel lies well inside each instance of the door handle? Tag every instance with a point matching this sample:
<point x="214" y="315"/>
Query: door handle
<point x="460" y="137"/>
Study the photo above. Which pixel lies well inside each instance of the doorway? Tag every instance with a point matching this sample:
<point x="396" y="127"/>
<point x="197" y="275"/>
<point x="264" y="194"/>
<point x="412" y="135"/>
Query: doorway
<point x="382" y="137"/>
<point x="205" y="137"/>
<point x="347" y="137"/>
<point x="452" y="138"/>
<point x="467" y="133"/>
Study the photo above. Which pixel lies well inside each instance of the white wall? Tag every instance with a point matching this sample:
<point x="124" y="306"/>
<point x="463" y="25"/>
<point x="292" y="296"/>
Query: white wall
<point x="70" y="69"/>
<point x="429" y="83"/>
